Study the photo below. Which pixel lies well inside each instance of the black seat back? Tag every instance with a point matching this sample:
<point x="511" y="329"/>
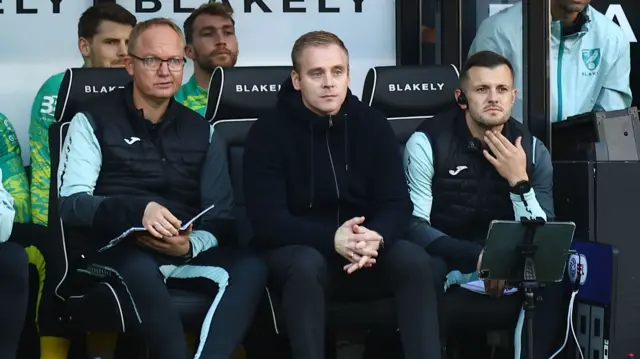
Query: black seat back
<point x="78" y="85"/>
<point x="245" y="94"/>
<point x="409" y="95"/>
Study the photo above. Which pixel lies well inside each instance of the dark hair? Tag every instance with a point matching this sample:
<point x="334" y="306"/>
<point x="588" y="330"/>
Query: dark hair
<point x="311" y="39"/>
<point x="213" y="9"/>
<point x="487" y="59"/>
<point x="95" y="15"/>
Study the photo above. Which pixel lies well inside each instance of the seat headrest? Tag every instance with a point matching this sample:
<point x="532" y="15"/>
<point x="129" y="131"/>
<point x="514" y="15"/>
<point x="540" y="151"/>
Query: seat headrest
<point x="411" y="91"/>
<point x="81" y="84"/>
<point x="243" y="92"/>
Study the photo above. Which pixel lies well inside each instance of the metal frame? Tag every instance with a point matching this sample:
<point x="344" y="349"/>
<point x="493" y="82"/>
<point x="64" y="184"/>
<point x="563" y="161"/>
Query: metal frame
<point x="408" y="32"/>
<point x="536" y="31"/>
<point x="451" y="32"/>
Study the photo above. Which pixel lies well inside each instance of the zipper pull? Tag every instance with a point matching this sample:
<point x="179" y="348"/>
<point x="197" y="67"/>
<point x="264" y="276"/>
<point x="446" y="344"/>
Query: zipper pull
<point x="330" y="121"/>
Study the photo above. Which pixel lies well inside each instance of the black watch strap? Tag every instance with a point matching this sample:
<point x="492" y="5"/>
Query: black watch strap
<point x="189" y="256"/>
<point x="521" y="188"/>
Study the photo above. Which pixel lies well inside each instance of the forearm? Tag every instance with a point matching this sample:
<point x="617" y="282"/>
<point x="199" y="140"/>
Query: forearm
<point x="108" y="215"/>
<point x="391" y="221"/>
<point x="7" y="213"/>
<point x="279" y="230"/>
<point x="6" y="226"/>
<point x="459" y="254"/>
<point x="527" y="206"/>
<point x="201" y="241"/>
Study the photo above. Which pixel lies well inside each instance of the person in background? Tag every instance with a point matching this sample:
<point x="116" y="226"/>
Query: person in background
<point x="210" y="35"/>
<point x="14" y="178"/>
<point x="103" y="34"/>
<point x="466" y="168"/>
<point x="171" y="170"/>
<point x="14" y="280"/>
<point x="590" y="57"/>
<point x="14" y="263"/>
<point x="329" y="205"/>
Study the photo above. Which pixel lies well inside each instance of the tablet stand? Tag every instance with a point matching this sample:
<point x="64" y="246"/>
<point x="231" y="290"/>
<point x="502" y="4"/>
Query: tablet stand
<point x="529" y="280"/>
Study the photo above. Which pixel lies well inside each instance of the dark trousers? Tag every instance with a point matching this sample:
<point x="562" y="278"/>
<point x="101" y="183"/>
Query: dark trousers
<point x="465" y="311"/>
<point x="306" y="279"/>
<point x="14" y="295"/>
<point x="235" y="282"/>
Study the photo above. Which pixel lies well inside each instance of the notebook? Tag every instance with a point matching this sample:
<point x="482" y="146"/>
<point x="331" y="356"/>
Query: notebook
<point x="126" y="233"/>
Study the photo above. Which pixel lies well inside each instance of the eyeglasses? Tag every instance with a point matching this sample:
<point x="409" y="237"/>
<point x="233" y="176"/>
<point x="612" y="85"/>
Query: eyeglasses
<point x="153" y="63"/>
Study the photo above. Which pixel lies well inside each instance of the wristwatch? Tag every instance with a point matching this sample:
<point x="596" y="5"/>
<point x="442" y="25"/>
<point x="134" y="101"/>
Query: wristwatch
<point x="189" y="255"/>
<point x="521" y="188"/>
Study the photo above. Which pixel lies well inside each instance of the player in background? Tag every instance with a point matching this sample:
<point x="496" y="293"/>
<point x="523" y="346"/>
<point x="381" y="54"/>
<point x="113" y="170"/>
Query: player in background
<point x="211" y="40"/>
<point x="103" y="35"/>
<point x="14" y="177"/>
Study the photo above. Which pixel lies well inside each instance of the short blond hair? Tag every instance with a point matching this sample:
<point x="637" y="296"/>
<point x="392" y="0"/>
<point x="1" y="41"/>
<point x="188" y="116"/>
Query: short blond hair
<point x="143" y="26"/>
<point x="313" y="39"/>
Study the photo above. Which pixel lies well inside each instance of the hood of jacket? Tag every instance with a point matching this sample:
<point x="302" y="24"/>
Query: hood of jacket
<point x="290" y="102"/>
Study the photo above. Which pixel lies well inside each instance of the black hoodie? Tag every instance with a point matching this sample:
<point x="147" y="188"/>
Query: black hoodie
<point x="305" y="175"/>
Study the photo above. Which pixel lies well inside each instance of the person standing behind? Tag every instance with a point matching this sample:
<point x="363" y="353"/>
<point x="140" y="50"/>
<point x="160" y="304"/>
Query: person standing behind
<point x="590" y="57"/>
<point x="103" y="34"/>
<point x="211" y="42"/>
<point x="329" y="204"/>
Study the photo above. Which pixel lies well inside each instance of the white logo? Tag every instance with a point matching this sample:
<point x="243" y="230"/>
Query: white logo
<point x="101" y="89"/>
<point x="427" y="86"/>
<point x="615" y="11"/>
<point x="457" y="170"/>
<point x="578" y="264"/>
<point x="132" y="140"/>
<point x="257" y="88"/>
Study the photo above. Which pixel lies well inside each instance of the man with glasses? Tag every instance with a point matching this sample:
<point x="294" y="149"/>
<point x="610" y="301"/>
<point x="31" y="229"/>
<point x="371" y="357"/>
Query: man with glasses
<point x="137" y="158"/>
<point x="210" y="35"/>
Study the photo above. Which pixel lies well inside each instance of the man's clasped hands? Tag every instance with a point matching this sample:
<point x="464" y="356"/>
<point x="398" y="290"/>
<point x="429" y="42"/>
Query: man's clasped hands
<point x="358" y="244"/>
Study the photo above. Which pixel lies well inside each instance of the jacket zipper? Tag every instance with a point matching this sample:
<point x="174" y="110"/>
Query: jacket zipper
<point x="333" y="169"/>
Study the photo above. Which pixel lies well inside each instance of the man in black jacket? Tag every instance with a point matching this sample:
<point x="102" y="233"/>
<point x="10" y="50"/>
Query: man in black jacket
<point x="465" y="168"/>
<point x="135" y="157"/>
<point x="329" y="204"/>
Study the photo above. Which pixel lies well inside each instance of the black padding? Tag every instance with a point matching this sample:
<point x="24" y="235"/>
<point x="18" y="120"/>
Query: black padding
<point x="234" y="133"/>
<point x="243" y="92"/>
<point x="410" y="91"/>
<point x="81" y="84"/>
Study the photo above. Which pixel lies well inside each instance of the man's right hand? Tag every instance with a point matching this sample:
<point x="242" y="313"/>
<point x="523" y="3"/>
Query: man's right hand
<point x="494" y="287"/>
<point x="159" y="221"/>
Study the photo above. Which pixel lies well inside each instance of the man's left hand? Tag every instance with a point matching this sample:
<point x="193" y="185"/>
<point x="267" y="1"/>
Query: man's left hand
<point x="177" y="246"/>
<point x="509" y="159"/>
<point x="366" y="245"/>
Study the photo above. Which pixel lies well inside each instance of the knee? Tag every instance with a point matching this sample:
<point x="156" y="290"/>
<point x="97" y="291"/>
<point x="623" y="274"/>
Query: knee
<point x="14" y="266"/>
<point x="406" y="258"/>
<point x="250" y="269"/>
<point x="307" y="264"/>
<point x="138" y="269"/>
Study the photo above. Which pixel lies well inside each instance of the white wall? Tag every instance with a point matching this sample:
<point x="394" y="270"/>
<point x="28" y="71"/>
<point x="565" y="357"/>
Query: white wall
<point x="30" y="54"/>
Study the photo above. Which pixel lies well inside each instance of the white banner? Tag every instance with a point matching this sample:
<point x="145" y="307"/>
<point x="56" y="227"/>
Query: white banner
<point x="266" y="30"/>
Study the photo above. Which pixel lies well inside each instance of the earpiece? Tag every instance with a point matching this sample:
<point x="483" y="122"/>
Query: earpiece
<point x="462" y="99"/>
